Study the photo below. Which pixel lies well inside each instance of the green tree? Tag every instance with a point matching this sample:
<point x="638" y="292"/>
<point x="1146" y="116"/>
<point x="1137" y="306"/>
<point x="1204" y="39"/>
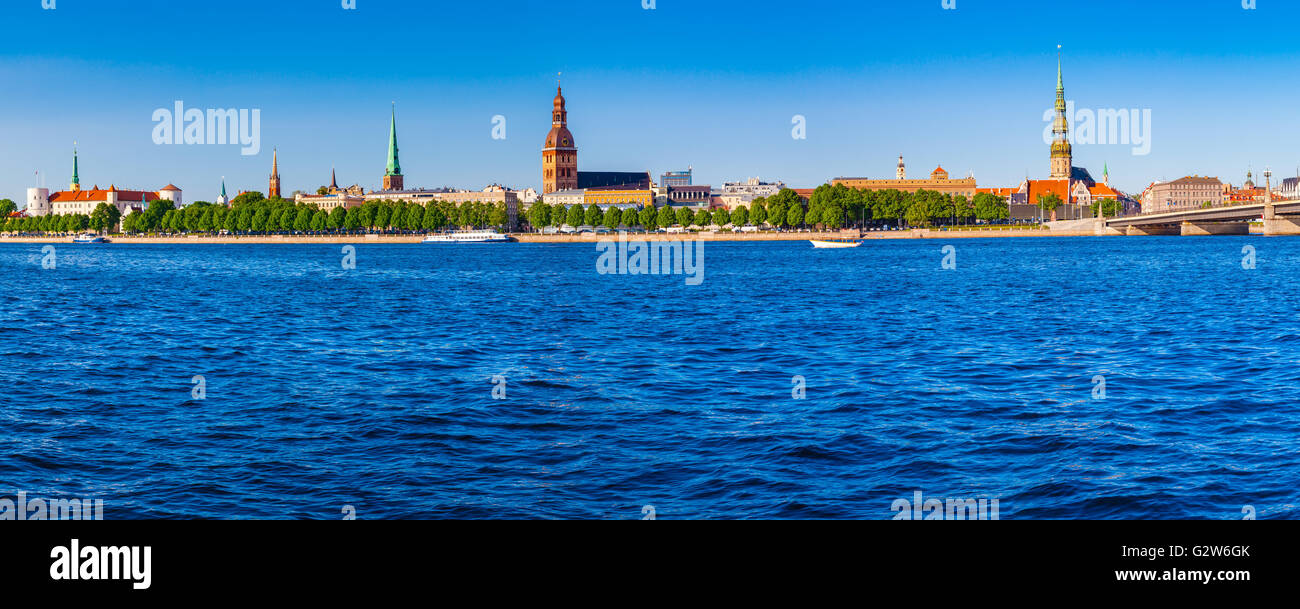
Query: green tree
<point x="338" y="216"/>
<point x="243" y="218"/>
<point x="963" y="209"/>
<point x="7" y="206"/>
<point x="153" y="214"/>
<point x="630" y="217"/>
<point x="740" y="216"/>
<point x="207" y="220"/>
<point x="104" y="218"/>
<point x="684" y="216"/>
<point x="319" y="220"/>
<point x="498" y="215"/>
<point x="1049" y="203"/>
<point x="989" y="206"/>
<point x="703" y="218"/>
<point x="594" y="215"/>
<point x="413" y="217"/>
<point x="721" y="216"/>
<point x="247" y="198"/>
<point x="647" y="217"/>
<point x="665" y="217"/>
<point x="574" y="216"/>
<point x="775" y="212"/>
<point x="539" y="215"/>
<point x="794" y="215"/>
<point x="758" y="211"/>
<point x="302" y="220"/>
<point x="352" y="218"/>
<point x="397" y="216"/>
<point x="259" y="220"/>
<point x="434" y="217"/>
<point x="613" y="217"/>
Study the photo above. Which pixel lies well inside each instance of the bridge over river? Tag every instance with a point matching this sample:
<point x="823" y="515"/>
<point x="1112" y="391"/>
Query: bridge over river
<point x="1279" y="217"/>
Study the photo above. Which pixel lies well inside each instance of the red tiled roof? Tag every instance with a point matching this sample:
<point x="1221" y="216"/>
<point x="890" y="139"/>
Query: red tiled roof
<point x="99" y="195"/>
<point x="1043" y="187"/>
<point x="1102" y="190"/>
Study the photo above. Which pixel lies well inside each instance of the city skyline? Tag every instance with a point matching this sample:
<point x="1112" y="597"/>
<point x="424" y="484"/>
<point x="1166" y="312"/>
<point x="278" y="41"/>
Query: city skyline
<point x="630" y="112"/>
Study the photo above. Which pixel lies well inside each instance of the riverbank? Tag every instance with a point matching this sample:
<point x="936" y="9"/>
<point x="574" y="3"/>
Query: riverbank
<point x="918" y="233"/>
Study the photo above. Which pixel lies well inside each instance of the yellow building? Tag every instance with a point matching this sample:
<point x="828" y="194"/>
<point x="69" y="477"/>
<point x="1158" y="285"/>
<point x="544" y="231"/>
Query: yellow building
<point x="938" y="181"/>
<point x="601" y="197"/>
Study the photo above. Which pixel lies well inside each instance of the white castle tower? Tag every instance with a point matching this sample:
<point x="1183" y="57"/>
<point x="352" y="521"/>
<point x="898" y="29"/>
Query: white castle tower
<point x="38" y="201"/>
<point x="171" y="193"/>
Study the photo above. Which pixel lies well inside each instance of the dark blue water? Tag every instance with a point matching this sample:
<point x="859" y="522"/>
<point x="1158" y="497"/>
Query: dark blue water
<point x="372" y="387"/>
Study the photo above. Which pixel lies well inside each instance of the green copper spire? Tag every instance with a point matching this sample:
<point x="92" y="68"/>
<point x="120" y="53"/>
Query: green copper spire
<point x="394" y="167"/>
<point x="76" y="181"/>
<point x="223" y="188"/>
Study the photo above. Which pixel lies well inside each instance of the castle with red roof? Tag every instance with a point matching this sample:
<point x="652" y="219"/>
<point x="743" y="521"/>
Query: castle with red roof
<point x="76" y="200"/>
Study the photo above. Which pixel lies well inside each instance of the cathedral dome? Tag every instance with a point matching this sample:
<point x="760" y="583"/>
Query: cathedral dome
<point x="559" y="137"/>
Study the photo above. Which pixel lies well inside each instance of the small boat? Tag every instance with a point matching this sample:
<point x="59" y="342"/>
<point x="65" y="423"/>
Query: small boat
<point x="468" y="236"/>
<point x="89" y="238"/>
<point x="835" y="243"/>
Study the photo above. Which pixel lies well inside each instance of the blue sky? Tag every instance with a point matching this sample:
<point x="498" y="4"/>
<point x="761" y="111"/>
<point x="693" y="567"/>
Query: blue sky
<point x="711" y="84"/>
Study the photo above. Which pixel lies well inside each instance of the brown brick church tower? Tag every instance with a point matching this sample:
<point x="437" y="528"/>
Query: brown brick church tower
<point x="273" y="192"/>
<point x="560" y="156"/>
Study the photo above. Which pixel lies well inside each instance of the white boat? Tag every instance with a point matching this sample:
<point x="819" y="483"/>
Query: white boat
<point x="834" y="243"/>
<point x="89" y="238"/>
<point x="468" y="236"/>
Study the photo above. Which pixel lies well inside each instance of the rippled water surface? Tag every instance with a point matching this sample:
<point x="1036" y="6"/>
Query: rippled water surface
<point x="372" y="387"/>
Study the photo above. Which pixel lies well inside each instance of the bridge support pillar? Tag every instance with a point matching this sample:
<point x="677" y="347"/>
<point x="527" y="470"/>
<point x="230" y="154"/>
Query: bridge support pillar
<point x="1215" y="228"/>
<point x="1152" y="230"/>
<point x="1282" y="225"/>
<point x="1101" y="230"/>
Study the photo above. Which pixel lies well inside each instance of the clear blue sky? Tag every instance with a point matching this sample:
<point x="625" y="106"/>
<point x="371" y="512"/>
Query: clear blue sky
<point x="713" y="84"/>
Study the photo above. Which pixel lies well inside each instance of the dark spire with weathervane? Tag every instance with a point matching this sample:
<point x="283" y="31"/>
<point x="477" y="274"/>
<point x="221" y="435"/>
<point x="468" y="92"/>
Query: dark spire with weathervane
<point x="393" y="175"/>
<point x="76" y="180"/>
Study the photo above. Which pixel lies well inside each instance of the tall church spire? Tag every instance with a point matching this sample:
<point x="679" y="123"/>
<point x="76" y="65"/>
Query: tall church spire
<point x="393" y="175"/>
<point x="273" y="191"/>
<point x="76" y="181"/>
<point x="1062" y="155"/>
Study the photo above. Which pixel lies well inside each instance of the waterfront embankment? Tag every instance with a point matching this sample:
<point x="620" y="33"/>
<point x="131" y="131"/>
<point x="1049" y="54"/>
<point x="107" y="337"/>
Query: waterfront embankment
<point x="917" y="233"/>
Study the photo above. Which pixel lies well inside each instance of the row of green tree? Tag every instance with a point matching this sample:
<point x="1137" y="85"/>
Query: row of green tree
<point x="860" y="207"/>
<point x="829" y="207"/>
<point x="251" y="212"/>
<point x="542" y="215"/>
<point x="102" y="218"/>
